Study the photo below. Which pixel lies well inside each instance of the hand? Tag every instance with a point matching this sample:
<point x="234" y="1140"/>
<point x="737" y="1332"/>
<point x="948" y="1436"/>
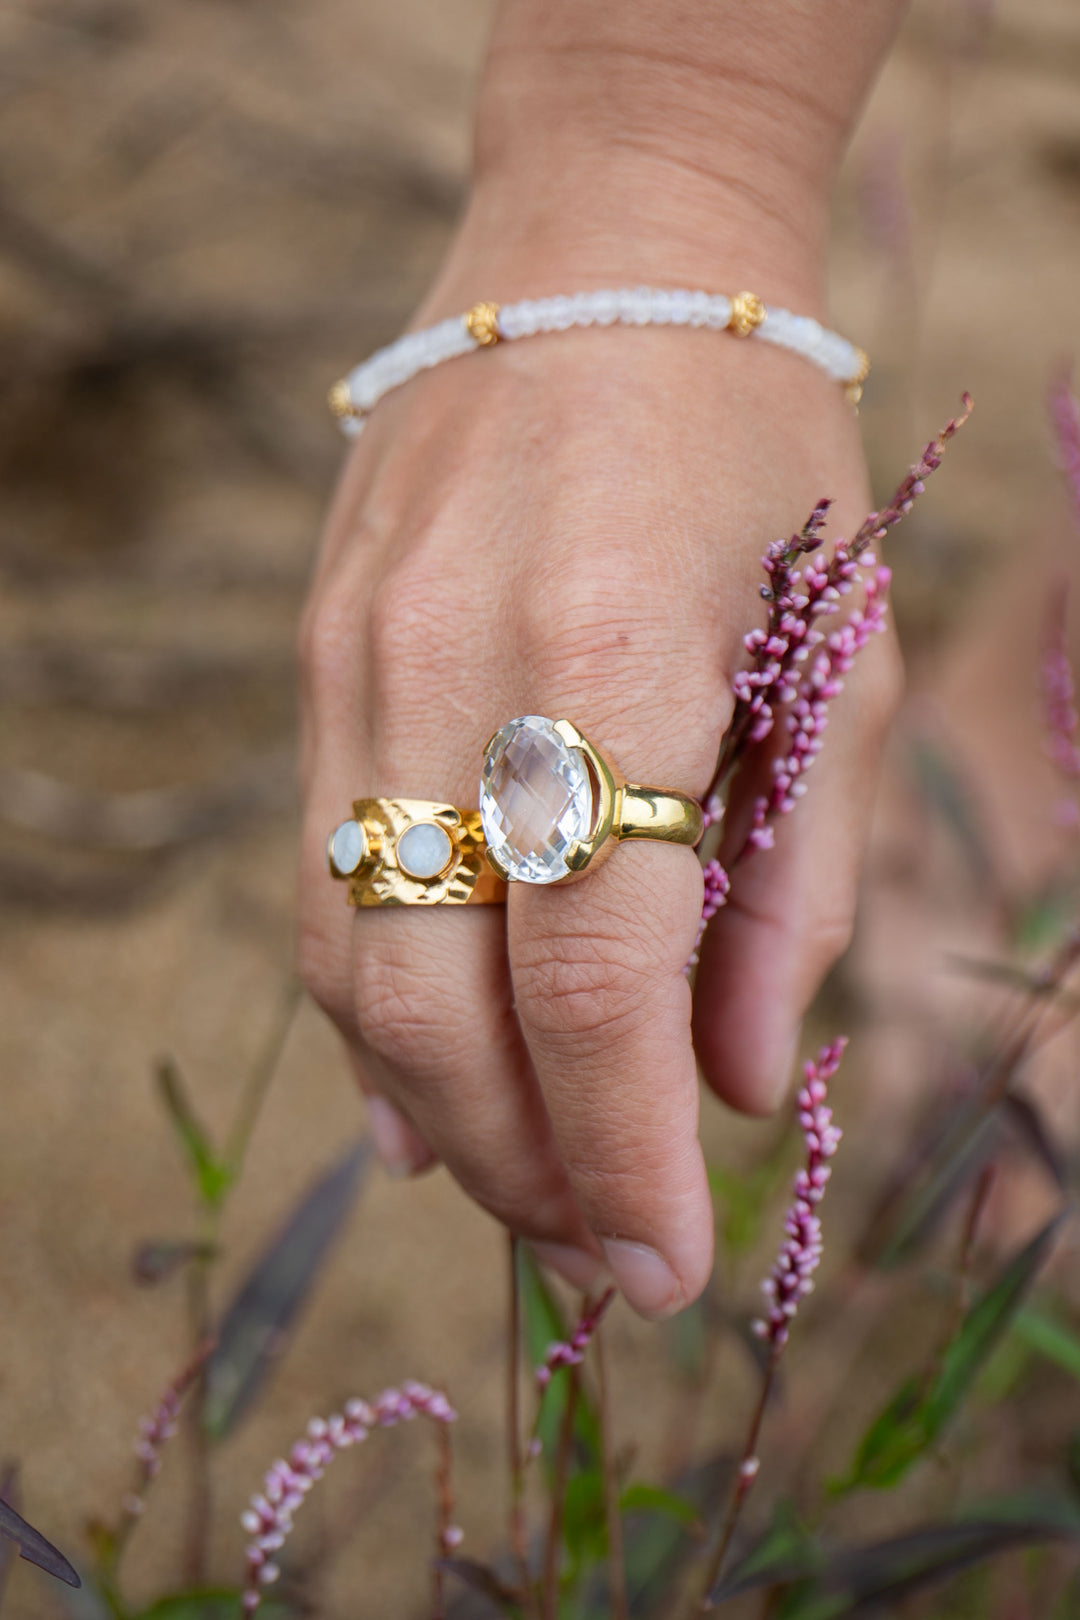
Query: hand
<point x="572" y="525"/>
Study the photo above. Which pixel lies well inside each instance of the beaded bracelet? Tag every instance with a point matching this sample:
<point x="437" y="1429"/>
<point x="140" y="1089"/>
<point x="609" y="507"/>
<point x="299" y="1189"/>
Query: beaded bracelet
<point x="354" y="398"/>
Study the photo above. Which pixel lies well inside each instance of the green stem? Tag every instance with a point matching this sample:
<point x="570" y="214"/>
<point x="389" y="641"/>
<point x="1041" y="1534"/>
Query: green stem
<point x="552" y="1558"/>
<point x="261" y="1077"/>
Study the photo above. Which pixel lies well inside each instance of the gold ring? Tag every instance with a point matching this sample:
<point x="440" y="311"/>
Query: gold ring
<point x="413" y="852"/>
<point x="552" y="804"/>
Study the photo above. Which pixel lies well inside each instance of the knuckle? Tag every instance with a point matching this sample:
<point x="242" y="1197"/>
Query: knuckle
<point x="830" y="933"/>
<point x="328" y="643"/>
<point x="413" y="611"/>
<point x="584" y="989"/>
<point x="399" y="1019"/>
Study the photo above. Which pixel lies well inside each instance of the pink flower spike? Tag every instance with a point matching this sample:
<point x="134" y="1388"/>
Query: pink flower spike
<point x="268" y="1520"/>
<point x="791" y="1278"/>
<point x="571" y="1353"/>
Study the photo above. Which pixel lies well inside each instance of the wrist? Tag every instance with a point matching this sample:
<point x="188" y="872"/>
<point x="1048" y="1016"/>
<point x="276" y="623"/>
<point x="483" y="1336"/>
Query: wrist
<point x="561" y="207"/>
<point x="620" y="143"/>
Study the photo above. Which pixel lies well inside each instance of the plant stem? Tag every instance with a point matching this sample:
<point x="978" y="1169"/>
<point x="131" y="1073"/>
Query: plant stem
<point x="550" y="1597"/>
<point x="200" y="1507"/>
<point x="200" y="1499"/>
<point x="744" y="1480"/>
<point x="444" y="1490"/>
<point x="518" y="1530"/>
<point x="260" y="1077"/>
<point x="619" y="1605"/>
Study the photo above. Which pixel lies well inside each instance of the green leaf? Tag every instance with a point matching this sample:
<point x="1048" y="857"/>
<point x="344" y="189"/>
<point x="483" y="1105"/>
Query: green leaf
<point x="983" y="1327"/>
<point x="641" y="1498"/>
<point x="544" y="1325"/>
<point x="1048" y="1338"/>
<point x="786" y="1552"/>
<point x="896" y="1439"/>
<point x="212" y="1176"/>
<point x="254" y="1330"/>
<point x="584" y="1523"/>
<point x="917" y="1414"/>
<point x="657" y="1549"/>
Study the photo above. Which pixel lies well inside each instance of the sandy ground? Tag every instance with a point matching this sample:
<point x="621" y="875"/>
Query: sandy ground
<point x="205" y="210"/>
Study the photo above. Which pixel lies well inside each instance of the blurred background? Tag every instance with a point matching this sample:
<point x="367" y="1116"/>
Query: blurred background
<point x="207" y="211"/>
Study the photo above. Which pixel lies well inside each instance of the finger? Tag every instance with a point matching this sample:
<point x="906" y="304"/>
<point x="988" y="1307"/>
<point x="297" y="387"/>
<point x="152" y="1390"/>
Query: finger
<point x="604" y="1004"/>
<point x="424" y="992"/>
<point x="331" y="746"/>
<point x="401" y="1148"/>
<point x="791" y="909"/>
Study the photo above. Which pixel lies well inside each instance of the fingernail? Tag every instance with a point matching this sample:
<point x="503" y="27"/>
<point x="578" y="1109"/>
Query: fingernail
<point x="644" y="1277"/>
<point x="397" y="1144"/>
<point x="576" y="1266"/>
<point x="783" y="1080"/>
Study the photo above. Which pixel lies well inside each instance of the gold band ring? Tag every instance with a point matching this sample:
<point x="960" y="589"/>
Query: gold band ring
<point x="552" y="804"/>
<point x="413" y="852"/>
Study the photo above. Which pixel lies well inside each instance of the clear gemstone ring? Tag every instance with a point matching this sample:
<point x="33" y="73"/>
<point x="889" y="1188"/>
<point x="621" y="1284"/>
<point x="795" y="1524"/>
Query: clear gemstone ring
<point x="413" y="852"/>
<point x="552" y="803"/>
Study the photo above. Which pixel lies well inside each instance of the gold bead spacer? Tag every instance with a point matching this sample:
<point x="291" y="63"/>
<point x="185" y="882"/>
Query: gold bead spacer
<point x="340" y="402"/>
<point x="853" y="389"/>
<point x="482" y="324"/>
<point x="747" y="313"/>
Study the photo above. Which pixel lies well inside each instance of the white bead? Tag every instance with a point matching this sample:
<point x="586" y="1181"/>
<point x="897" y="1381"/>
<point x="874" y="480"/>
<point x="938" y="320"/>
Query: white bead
<point x="526" y="317"/>
<point x="562" y="315"/>
<point x="605" y="308"/>
<point x="718" y="315"/>
<point x="679" y="308"/>
<point x="581" y="310"/>
<point x="699" y="308"/>
<point x="660" y="307"/>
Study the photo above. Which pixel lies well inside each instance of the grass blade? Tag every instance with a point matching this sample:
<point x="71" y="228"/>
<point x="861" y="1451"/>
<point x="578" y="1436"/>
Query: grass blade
<point x="268" y="1302"/>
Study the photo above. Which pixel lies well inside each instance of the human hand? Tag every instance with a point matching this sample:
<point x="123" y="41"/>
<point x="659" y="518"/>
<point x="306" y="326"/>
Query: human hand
<point x="573" y="526"/>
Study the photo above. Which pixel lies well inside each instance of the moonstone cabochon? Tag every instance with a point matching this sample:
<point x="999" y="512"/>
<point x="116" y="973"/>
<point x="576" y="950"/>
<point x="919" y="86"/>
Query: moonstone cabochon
<point x="348" y="847"/>
<point x="535" y="800"/>
<point x="424" y="850"/>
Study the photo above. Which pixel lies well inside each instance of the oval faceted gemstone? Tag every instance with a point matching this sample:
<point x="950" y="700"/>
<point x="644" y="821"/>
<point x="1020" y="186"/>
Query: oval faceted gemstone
<point x="535" y="799"/>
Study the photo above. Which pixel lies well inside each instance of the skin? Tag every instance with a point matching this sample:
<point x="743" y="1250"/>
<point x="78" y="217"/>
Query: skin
<point x="572" y="525"/>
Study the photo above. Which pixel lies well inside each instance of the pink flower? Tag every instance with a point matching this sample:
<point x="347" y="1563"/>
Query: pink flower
<point x="571" y="1352"/>
<point x="791" y="1279"/>
<point x="269" y="1518"/>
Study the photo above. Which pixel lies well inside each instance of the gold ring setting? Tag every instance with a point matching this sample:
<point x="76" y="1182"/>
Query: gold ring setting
<point x="413" y="852"/>
<point x="552" y="804"/>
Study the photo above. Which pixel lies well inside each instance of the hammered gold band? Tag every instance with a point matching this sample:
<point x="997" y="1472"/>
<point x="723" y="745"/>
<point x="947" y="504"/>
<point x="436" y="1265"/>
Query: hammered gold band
<point x="413" y="852"/>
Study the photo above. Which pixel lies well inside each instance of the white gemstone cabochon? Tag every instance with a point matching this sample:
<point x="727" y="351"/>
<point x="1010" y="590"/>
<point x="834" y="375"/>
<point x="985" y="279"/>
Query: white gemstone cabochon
<point x="348" y="847"/>
<point x="535" y="799"/>
<point x="424" y="849"/>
